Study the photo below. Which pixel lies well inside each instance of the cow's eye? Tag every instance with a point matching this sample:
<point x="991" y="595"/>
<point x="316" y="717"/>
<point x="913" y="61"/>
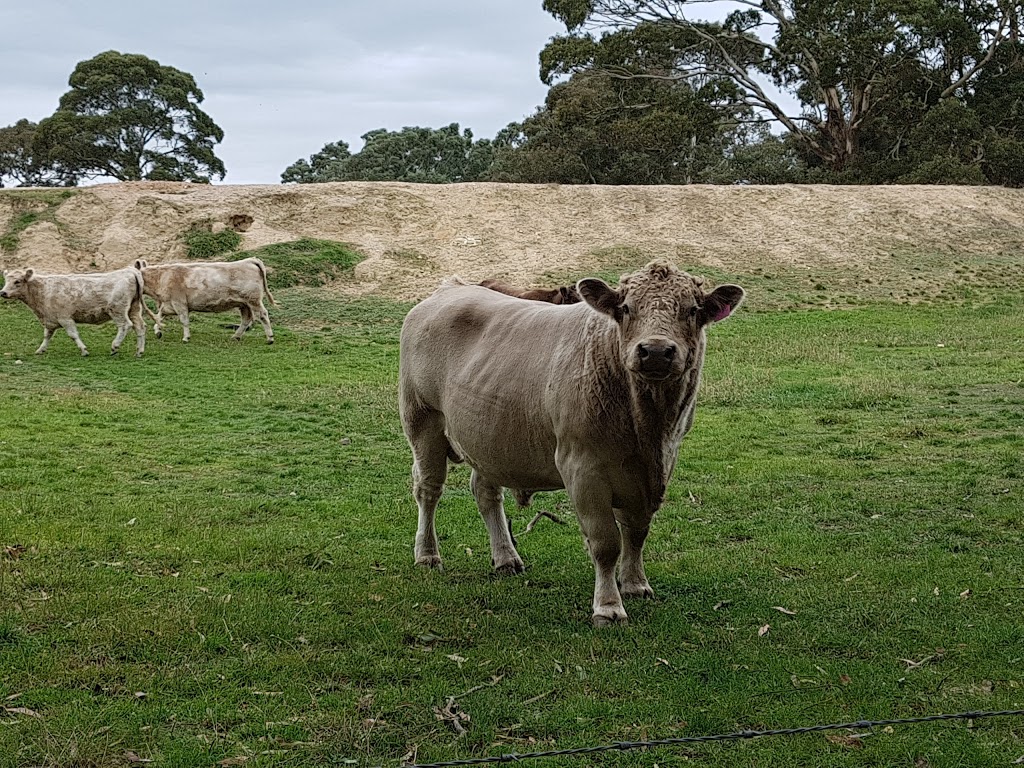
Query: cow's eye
<point x="625" y="309"/>
<point x="693" y="310"/>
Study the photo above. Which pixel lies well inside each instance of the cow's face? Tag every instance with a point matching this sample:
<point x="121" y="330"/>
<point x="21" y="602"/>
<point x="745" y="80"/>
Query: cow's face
<point x="661" y="313"/>
<point x="15" y="283"/>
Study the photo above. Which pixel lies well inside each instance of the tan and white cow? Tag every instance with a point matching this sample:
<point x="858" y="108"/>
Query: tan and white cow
<point x="592" y="397"/>
<point x="62" y="301"/>
<point x="212" y="286"/>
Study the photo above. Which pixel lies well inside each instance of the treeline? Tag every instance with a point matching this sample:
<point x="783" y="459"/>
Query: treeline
<point x="885" y="91"/>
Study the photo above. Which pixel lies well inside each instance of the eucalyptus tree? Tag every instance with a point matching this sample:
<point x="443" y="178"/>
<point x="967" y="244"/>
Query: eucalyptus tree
<point x="130" y="118"/>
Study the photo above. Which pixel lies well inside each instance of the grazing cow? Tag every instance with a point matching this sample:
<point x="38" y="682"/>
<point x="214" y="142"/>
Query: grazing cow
<point x="64" y="300"/>
<point x="213" y="286"/>
<point x="594" y="398"/>
<point x="566" y="294"/>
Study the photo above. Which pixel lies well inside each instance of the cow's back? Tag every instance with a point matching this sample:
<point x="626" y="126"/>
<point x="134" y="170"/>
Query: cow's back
<point x="495" y="367"/>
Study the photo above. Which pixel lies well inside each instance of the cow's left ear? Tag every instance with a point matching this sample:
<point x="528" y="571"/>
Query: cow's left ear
<point x="601" y="296"/>
<point x="29" y="272"/>
<point x="721" y="302"/>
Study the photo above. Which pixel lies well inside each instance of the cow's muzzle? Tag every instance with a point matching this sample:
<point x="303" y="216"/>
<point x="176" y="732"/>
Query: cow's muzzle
<point x="3" y="295"/>
<point x="657" y="358"/>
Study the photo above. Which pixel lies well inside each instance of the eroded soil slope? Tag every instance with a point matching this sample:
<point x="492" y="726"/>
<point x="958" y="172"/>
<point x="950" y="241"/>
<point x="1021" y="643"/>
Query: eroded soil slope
<point x="414" y="234"/>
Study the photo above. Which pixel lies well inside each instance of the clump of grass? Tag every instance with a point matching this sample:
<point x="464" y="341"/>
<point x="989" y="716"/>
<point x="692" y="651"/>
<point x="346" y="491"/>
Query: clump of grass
<point x="201" y="242"/>
<point x="306" y="262"/>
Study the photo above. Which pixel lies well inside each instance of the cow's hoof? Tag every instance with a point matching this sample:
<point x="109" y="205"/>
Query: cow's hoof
<point x="610" y="621"/>
<point x="138" y="354"/>
<point x="636" y="590"/>
<point x="430" y="561"/>
<point x="113" y="352"/>
<point x="511" y="568"/>
<point x="84" y="353"/>
<point x="270" y="341"/>
<point x="159" y="334"/>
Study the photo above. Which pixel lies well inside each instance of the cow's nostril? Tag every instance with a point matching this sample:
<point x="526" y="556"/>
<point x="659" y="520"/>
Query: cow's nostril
<point x="644" y="351"/>
<point x="670" y="352"/>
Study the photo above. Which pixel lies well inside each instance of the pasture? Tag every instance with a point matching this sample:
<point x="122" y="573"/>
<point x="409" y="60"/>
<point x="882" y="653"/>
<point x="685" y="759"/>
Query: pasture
<point x="206" y="554"/>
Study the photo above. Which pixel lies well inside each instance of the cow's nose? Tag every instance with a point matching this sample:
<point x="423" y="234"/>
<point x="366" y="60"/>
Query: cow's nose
<point x="657" y="353"/>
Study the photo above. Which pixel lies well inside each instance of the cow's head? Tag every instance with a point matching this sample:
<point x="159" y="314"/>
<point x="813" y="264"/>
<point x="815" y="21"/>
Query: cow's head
<point x="661" y="313"/>
<point x="15" y="283"/>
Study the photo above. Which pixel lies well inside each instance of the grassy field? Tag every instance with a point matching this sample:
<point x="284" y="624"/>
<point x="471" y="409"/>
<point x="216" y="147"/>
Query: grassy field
<point x="206" y="554"/>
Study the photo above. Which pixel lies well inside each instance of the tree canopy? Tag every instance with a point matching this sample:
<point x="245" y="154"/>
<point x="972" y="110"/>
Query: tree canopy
<point x="130" y="118"/>
<point x="430" y="155"/>
<point x="864" y="72"/>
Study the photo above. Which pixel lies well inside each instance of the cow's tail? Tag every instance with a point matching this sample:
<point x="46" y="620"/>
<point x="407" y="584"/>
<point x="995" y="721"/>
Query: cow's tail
<point x="140" y="293"/>
<point x="266" y="288"/>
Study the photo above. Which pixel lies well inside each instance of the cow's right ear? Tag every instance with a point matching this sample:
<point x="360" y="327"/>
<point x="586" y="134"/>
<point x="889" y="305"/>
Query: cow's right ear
<point x="601" y="296"/>
<point x="29" y="272"/>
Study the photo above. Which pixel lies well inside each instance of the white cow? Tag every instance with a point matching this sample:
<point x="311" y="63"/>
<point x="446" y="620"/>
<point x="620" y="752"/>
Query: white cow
<point x="212" y="286"/>
<point x="592" y="397"/>
<point x="62" y="301"/>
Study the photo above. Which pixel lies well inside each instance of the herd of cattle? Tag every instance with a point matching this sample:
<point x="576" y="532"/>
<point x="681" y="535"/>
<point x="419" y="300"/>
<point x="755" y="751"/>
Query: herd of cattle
<point x="63" y="301"/>
<point x="589" y="388"/>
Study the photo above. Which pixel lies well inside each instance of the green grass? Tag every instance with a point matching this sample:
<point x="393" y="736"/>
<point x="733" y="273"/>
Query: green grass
<point x="210" y="554"/>
<point x="201" y="242"/>
<point x="306" y="262"/>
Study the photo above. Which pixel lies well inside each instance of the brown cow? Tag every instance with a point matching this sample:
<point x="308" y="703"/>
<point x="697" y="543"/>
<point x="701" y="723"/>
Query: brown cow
<point x="594" y="398"/>
<point x="566" y="294"/>
<point x="61" y="301"/>
<point x="210" y="286"/>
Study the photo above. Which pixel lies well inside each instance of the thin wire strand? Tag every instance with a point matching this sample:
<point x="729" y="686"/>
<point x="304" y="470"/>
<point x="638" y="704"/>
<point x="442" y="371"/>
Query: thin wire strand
<point x="626" y="745"/>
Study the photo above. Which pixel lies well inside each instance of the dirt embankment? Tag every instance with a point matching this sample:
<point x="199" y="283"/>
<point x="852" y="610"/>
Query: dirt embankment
<point x="414" y="234"/>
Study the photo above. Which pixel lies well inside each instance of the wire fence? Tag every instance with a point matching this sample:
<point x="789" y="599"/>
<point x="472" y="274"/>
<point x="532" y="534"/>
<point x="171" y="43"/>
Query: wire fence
<point x="735" y="735"/>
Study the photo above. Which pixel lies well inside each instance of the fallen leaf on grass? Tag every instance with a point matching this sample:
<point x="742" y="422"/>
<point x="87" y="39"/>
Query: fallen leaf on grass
<point x="850" y="742"/>
<point x="460" y="660"/>
<point x="452" y="716"/>
<point x="229" y="761"/>
<point x="786" y="611"/>
<point x="762" y="631"/>
<point x="22" y="711"/>
<point x="965" y="594"/>
<point x="131" y="757"/>
<point x="845" y="679"/>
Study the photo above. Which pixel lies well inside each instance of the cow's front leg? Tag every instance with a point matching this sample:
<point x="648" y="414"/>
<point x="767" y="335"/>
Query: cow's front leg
<point x="47" y="335"/>
<point x="601" y="534"/>
<point x="632" y="579"/>
<point x="182" y="312"/>
<point x="490" y="502"/>
<point x="72" y="331"/>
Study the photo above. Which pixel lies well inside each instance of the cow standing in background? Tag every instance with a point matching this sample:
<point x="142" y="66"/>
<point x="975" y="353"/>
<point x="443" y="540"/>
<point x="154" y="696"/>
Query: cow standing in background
<point x="566" y="294"/>
<point x="215" y="286"/>
<point x="62" y="301"/>
<point x="594" y="398"/>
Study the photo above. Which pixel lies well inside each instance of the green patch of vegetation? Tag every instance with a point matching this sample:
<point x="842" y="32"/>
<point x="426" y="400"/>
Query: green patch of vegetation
<point x="35" y="206"/>
<point x="201" y="242"/>
<point x="210" y="554"/>
<point x="306" y="262"/>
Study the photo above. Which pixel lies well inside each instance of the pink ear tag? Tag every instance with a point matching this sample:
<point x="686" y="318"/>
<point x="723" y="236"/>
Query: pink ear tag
<point x="722" y="313"/>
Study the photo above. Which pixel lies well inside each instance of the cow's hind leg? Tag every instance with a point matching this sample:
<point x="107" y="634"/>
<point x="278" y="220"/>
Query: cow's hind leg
<point x="123" y="324"/>
<point x="72" y="331"/>
<point x="632" y="579"/>
<point x="430" y="447"/>
<point x="246" y="322"/>
<point x="264" y="316"/>
<point x="139" y="324"/>
<point x="489" y="501"/>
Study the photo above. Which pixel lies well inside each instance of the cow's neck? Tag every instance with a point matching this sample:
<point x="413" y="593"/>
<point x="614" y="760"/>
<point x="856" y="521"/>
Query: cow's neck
<point x="661" y="416"/>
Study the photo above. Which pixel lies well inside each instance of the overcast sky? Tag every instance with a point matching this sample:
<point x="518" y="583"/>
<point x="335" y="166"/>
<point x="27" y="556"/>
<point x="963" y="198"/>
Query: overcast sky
<point x="283" y="79"/>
